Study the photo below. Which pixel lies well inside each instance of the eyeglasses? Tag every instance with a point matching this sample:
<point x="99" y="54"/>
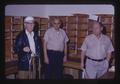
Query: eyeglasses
<point x="56" y="23"/>
<point x="29" y="23"/>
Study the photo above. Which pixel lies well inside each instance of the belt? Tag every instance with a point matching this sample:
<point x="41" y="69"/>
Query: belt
<point x="98" y="60"/>
<point x="55" y="51"/>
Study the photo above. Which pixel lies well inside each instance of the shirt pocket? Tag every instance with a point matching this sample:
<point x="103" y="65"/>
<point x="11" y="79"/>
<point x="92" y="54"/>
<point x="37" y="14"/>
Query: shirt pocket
<point x="104" y="46"/>
<point x="91" y="44"/>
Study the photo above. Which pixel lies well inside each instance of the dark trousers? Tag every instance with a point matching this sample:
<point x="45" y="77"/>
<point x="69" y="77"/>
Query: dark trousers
<point x="54" y="70"/>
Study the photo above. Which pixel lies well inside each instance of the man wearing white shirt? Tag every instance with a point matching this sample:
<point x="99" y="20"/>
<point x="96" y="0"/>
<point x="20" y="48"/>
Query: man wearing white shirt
<point x="55" y="50"/>
<point x="97" y="48"/>
<point x="27" y="44"/>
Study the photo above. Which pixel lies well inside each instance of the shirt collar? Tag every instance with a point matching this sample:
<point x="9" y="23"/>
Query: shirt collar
<point x="31" y="34"/>
<point x="100" y="36"/>
<point x="56" y="30"/>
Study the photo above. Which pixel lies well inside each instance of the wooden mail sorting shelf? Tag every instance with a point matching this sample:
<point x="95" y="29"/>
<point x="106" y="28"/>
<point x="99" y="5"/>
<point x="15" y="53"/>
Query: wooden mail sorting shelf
<point x="17" y="20"/>
<point x="71" y="20"/>
<point x="7" y="49"/>
<point x="82" y="27"/>
<point x="37" y="19"/>
<point x="71" y="27"/>
<point x="106" y="18"/>
<point x="76" y="26"/>
<point x="73" y="68"/>
<point x="108" y="75"/>
<point x="11" y="67"/>
<point x="43" y="20"/>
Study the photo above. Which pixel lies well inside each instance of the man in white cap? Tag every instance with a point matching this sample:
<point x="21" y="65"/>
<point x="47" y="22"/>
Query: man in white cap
<point x="97" y="49"/>
<point x="27" y="44"/>
<point x="91" y="19"/>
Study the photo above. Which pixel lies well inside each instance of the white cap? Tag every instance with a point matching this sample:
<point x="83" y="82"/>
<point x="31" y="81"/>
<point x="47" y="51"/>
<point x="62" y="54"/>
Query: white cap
<point x="28" y="18"/>
<point x="93" y="17"/>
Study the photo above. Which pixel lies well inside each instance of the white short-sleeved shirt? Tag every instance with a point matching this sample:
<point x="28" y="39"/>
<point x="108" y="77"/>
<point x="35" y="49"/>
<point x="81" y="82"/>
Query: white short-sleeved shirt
<point x="97" y="48"/>
<point x="55" y="39"/>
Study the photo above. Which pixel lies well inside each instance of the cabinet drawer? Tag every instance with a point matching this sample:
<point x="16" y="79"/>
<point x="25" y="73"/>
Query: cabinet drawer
<point x="17" y="27"/>
<point x="82" y="27"/>
<point x="37" y="20"/>
<point x="44" y="26"/>
<point x="72" y="34"/>
<point x="15" y="34"/>
<point x="82" y="20"/>
<point x="17" y="20"/>
<point x="81" y="33"/>
<point x="71" y="19"/>
<point x="43" y="20"/>
<point x="71" y="27"/>
<point x="106" y="20"/>
<point x="8" y="48"/>
<point x="8" y="20"/>
<point x="7" y="35"/>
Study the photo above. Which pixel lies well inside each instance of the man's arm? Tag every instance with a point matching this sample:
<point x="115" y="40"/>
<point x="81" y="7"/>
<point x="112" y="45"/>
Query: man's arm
<point x="82" y="59"/>
<point x="46" y="60"/>
<point x="108" y="56"/>
<point x="18" y="45"/>
<point x="110" y="50"/>
<point x="65" y="53"/>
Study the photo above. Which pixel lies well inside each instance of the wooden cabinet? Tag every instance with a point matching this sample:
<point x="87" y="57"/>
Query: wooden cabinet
<point x="8" y="23"/>
<point x="43" y="26"/>
<point x="72" y="34"/>
<point x="108" y="21"/>
<point x="13" y="25"/>
<point x="17" y="27"/>
<point x="77" y="26"/>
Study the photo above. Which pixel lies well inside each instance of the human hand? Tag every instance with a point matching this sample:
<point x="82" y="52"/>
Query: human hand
<point x="26" y="49"/>
<point x="82" y="65"/>
<point x="46" y="60"/>
<point x="65" y="59"/>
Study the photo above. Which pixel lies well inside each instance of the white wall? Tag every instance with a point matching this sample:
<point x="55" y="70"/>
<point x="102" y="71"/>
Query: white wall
<point x="84" y="9"/>
<point x="25" y="10"/>
<point x="46" y="10"/>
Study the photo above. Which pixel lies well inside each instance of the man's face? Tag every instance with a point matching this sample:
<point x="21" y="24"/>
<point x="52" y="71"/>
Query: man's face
<point x="29" y="26"/>
<point x="97" y="28"/>
<point x="56" y="24"/>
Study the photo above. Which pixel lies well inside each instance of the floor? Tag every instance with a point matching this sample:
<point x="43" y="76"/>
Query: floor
<point x="12" y="76"/>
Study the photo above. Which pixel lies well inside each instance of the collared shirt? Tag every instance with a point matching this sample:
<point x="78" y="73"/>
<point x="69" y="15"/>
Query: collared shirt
<point x="97" y="48"/>
<point x="31" y="40"/>
<point x="55" y="39"/>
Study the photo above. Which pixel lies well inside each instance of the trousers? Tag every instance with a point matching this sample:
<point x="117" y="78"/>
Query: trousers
<point x="54" y="70"/>
<point x="95" y="69"/>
